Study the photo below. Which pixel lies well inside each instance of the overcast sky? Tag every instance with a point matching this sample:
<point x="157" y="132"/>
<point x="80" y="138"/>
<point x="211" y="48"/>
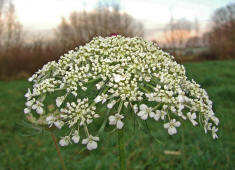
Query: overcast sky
<point x="46" y="14"/>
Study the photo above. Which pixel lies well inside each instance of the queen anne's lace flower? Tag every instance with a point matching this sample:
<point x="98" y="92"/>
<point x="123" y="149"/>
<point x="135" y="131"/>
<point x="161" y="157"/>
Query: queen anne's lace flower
<point x="128" y="73"/>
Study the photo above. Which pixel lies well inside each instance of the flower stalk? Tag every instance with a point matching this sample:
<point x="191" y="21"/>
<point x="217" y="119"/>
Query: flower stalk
<point x="122" y="153"/>
<point x="58" y="150"/>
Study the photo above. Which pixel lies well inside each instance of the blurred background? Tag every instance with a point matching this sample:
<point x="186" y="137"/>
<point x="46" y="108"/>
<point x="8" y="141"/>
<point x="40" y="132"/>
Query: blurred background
<point x="34" y="32"/>
<point x="199" y="33"/>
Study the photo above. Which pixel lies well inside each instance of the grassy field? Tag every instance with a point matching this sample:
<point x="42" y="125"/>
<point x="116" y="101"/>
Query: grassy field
<point x="23" y="148"/>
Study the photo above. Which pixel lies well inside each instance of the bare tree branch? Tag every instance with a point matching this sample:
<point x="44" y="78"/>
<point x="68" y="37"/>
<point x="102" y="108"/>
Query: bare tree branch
<point x="81" y="27"/>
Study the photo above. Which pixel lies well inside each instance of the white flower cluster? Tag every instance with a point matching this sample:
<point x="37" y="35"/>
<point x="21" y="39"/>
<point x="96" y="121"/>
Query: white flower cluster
<point x="127" y="72"/>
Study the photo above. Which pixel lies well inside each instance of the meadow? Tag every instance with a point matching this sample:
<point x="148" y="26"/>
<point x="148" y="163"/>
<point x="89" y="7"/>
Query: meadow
<point x="24" y="147"/>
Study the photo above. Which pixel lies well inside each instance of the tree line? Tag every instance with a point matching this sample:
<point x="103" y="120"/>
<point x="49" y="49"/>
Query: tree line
<point x="18" y="57"/>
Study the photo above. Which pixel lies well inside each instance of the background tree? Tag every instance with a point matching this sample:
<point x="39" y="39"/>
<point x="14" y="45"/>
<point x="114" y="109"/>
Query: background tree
<point x="196" y="26"/>
<point x="11" y="40"/>
<point x="81" y="27"/>
<point x="1" y="20"/>
<point x="177" y="32"/>
<point x="13" y="28"/>
<point x="222" y="36"/>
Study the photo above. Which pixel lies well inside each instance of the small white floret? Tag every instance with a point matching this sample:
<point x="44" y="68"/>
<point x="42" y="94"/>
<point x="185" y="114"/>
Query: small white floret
<point x="111" y="104"/>
<point x="145" y="111"/>
<point x="171" y="126"/>
<point x="28" y="95"/>
<point x="98" y="99"/>
<point x="192" y="117"/>
<point x="64" y="141"/>
<point x="91" y="142"/>
<point x="76" y="137"/>
<point x="214" y="130"/>
<point x="27" y="110"/>
<point x="116" y="120"/>
<point x="59" y="124"/>
<point x="118" y="78"/>
<point x="59" y="101"/>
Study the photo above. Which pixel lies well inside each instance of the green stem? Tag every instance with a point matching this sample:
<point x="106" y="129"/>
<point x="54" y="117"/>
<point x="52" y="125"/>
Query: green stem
<point x="157" y="106"/>
<point x="122" y="154"/>
<point x="144" y="89"/>
<point x="86" y="130"/>
<point x="149" y="85"/>
<point x="104" y="122"/>
<point x="58" y="150"/>
<point x="93" y="80"/>
<point x="183" y="146"/>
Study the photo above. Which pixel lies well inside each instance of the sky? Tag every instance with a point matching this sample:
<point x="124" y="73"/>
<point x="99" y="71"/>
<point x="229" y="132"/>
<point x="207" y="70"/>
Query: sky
<point x="42" y="15"/>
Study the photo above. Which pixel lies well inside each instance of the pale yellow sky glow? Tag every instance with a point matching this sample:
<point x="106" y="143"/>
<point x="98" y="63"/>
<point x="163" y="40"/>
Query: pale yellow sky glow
<point x="46" y="14"/>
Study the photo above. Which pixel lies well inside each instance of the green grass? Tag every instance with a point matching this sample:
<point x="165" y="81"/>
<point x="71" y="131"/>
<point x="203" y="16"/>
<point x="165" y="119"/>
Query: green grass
<point x="198" y="150"/>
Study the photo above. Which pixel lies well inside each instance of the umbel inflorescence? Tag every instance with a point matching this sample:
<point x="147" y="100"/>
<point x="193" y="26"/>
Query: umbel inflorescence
<point x="126" y="73"/>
